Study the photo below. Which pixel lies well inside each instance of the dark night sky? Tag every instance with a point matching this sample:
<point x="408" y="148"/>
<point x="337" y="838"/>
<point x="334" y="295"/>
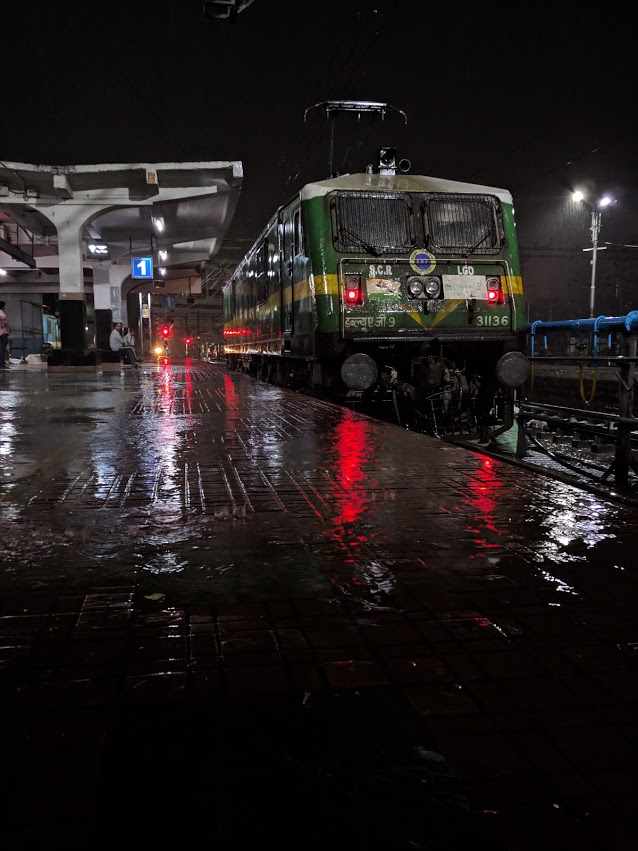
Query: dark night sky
<point x="534" y="103"/>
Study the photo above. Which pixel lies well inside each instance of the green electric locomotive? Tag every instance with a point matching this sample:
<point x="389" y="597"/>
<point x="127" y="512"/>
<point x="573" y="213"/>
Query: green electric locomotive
<point x="368" y="283"/>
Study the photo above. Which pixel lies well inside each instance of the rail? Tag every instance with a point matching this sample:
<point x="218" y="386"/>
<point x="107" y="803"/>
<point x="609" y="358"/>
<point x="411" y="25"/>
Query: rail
<point x="557" y="413"/>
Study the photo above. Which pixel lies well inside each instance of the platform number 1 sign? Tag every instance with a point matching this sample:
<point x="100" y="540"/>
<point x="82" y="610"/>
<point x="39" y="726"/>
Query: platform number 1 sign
<point x="142" y="267"/>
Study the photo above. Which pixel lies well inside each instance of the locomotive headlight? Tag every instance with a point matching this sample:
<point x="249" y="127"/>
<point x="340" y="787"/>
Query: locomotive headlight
<point x="432" y="287"/>
<point x="415" y="287"/>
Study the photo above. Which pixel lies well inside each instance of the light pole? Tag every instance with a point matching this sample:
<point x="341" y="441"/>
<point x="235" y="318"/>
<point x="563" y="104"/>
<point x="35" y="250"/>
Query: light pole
<point x="594" y="228"/>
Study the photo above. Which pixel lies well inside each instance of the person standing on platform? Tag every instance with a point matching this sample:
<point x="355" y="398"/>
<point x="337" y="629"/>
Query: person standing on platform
<point x="5" y="330"/>
<point x="116" y="342"/>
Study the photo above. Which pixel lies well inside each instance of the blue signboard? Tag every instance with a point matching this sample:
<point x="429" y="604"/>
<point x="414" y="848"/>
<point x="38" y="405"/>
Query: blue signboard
<point x="142" y="267"/>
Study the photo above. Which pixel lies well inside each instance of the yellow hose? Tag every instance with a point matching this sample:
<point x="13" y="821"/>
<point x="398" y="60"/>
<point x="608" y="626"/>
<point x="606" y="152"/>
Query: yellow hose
<point x="582" y="384"/>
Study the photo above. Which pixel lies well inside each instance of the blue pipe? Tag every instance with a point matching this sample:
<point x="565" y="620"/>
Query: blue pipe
<point x="601" y="323"/>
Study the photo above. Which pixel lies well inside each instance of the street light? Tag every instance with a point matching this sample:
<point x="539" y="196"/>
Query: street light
<point x="594" y="228"/>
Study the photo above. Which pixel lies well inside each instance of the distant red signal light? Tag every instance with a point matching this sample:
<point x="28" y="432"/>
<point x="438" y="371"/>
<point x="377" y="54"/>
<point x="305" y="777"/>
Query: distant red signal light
<point x="188" y="341"/>
<point x="165" y="331"/>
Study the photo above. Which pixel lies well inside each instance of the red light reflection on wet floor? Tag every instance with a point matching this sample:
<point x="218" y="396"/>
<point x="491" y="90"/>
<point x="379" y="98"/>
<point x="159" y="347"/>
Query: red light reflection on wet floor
<point x="351" y="449"/>
<point x="189" y="385"/>
<point x="165" y="386"/>
<point x="483" y="488"/>
<point x="230" y="392"/>
<point x="232" y="404"/>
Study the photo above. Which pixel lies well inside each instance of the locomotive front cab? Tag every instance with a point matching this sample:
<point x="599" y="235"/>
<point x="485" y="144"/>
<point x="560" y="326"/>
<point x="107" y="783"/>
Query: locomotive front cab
<point x="427" y="273"/>
<point x="461" y="284"/>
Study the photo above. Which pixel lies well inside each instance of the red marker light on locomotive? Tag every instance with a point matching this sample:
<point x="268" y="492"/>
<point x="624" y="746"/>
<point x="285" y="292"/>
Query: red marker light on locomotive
<point x="353" y="290"/>
<point x="495" y="293"/>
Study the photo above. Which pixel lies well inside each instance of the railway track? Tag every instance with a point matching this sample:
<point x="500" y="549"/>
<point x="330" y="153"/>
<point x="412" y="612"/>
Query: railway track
<point x="575" y="446"/>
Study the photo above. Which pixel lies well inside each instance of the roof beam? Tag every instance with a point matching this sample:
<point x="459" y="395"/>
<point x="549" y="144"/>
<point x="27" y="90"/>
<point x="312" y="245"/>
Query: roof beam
<point x="17" y="253"/>
<point x="61" y="186"/>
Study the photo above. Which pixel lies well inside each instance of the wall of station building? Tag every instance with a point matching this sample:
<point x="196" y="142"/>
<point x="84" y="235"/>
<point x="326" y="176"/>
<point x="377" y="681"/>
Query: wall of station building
<point x="34" y="322"/>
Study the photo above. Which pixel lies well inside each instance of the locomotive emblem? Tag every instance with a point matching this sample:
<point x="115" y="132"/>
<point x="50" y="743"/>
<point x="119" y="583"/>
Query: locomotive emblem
<point x="422" y="261"/>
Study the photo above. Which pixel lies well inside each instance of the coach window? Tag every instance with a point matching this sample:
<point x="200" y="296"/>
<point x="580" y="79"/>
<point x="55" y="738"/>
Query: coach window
<point x="273" y="267"/>
<point x="273" y="251"/>
<point x="246" y="289"/>
<point x="261" y="273"/>
<point x="288" y="245"/>
<point x="297" y="234"/>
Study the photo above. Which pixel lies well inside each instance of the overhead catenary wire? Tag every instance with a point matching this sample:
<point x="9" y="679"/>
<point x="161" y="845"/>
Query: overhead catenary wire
<point x="366" y="26"/>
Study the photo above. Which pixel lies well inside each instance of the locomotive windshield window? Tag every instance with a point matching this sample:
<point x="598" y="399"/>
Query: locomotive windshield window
<point x="372" y="223"/>
<point x="462" y="224"/>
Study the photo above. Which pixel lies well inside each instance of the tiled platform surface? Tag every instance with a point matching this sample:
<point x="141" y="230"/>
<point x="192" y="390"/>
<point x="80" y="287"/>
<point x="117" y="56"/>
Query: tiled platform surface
<point x="235" y="616"/>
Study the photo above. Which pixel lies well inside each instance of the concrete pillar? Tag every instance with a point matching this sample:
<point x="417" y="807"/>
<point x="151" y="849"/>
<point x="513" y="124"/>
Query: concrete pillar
<point x="69" y="219"/>
<point x="107" y="298"/>
<point x="103" y="307"/>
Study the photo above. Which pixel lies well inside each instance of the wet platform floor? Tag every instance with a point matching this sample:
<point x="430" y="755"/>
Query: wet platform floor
<point x="229" y="613"/>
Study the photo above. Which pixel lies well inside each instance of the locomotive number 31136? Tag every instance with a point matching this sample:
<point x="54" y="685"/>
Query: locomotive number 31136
<point x="492" y="321"/>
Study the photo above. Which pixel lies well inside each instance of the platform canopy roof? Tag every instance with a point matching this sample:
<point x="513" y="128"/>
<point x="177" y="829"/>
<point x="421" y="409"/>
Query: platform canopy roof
<point x="183" y="209"/>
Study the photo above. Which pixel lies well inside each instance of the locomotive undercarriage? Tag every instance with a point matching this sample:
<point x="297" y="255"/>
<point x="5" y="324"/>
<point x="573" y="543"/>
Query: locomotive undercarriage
<point x="440" y="399"/>
<point x="447" y="390"/>
<point x="442" y="391"/>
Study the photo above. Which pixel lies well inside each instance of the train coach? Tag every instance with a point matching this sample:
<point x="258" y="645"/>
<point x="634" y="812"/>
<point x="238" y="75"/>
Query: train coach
<point x="381" y="282"/>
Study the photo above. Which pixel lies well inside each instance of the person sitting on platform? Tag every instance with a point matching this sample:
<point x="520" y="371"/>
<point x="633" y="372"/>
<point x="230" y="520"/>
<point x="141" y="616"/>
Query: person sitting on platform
<point x="116" y="342"/>
<point x="129" y="339"/>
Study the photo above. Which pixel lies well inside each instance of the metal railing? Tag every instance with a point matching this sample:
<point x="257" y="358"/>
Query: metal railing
<point x="626" y="327"/>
